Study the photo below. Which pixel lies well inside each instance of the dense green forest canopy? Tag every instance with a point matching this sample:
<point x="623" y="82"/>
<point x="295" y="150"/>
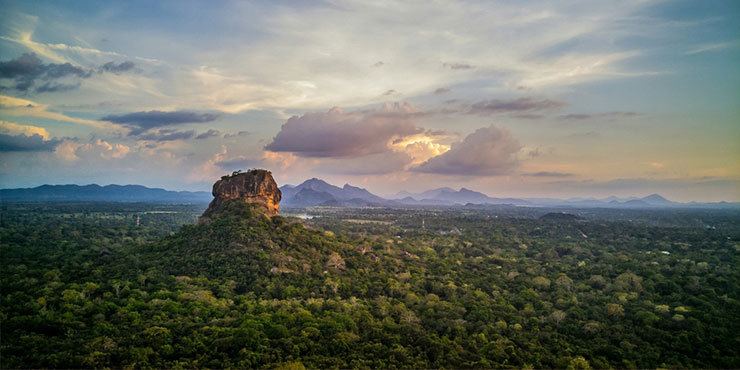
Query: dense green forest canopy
<point x="125" y="285"/>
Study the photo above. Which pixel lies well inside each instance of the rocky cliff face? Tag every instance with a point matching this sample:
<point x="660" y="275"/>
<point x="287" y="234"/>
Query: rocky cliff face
<point x="254" y="186"/>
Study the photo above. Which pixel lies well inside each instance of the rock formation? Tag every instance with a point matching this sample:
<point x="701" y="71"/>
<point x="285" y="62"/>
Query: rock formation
<point x="254" y="186"/>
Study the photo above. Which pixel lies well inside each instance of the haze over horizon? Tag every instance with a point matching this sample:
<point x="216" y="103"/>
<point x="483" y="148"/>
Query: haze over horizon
<point x="513" y="99"/>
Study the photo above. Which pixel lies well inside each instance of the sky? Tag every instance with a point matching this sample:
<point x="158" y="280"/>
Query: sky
<point x="571" y="98"/>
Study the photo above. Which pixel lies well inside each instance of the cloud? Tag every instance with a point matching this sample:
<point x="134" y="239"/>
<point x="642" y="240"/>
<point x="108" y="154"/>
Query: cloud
<point x="238" y="134"/>
<point x="209" y="170"/>
<point x="27" y="69"/>
<point x="520" y="105"/>
<point x="26" y="143"/>
<point x="549" y="174"/>
<point x="713" y="47"/>
<point x="112" y="67"/>
<point x="71" y="150"/>
<point x="585" y="116"/>
<point x="442" y="90"/>
<point x="56" y="87"/>
<point x="14" y="128"/>
<point x="207" y="134"/>
<point x="506" y="45"/>
<point x="49" y="51"/>
<point x="167" y="135"/>
<point x="458" y="65"/>
<point x="489" y="151"/>
<point x="27" y="108"/>
<point x="346" y="134"/>
<point x="139" y="122"/>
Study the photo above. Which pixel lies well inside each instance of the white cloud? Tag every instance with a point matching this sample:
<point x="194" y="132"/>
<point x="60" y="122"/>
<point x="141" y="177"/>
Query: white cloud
<point x="71" y="151"/>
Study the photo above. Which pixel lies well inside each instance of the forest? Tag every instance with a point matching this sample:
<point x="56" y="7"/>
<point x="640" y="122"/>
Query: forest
<point x="96" y="285"/>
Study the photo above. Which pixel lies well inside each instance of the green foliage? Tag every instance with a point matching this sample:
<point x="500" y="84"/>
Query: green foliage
<point x="470" y="290"/>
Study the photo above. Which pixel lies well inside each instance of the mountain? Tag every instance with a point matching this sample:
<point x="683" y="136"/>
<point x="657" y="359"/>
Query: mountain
<point x="429" y="194"/>
<point x="308" y="197"/>
<point x="463" y="196"/>
<point x="448" y="196"/>
<point x="657" y="200"/>
<point x="97" y="193"/>
<point x="317" y="192"/>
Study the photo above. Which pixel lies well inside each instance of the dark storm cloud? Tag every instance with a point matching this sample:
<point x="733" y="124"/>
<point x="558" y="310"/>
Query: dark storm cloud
<point x="207" y="134"/>
<point x="23" y="143"/>
<point x="112" y="67"/>
<point x="27" y="69"/>
<point x="139" y="122"/>
<point x="549" y="174"/>
<point x="167" y="135"/>
<point x="458" y="65"/>
<point x="346" y="134"/>
<point x="489" y="151"/>
<point x="521" y="105"/>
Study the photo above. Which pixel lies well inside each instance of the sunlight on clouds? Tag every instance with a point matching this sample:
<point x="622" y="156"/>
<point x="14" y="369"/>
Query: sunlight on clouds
<point x="420" y="148"/>
<point x="67" y="151"/>
<point x="209" y="170"/>
<point x="15" y="129"/>
<point x="24" y="38"/>
<point x="22" y="107"/>
<point x="72" y="151"/>
<point x="282" y="160"/>
<point x="49" y="51"/>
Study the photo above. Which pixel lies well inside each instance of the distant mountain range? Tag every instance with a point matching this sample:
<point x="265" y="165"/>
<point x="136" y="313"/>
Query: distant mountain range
<point x="317" y="192"/>
<point x="447" y="196"/>
<point x="97" y="193"/>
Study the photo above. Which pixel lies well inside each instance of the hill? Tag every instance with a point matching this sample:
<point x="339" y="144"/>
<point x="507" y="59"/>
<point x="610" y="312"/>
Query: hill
<point x="555" y="216"/>
<point x="97" y="193"/>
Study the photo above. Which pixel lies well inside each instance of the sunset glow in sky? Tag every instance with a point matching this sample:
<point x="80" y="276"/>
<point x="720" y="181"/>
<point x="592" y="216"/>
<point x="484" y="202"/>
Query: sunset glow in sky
<point x="512" y="98"/>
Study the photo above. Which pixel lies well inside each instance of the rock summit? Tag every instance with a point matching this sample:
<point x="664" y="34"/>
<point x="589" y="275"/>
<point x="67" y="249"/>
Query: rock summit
<point x="254" y="186"/>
